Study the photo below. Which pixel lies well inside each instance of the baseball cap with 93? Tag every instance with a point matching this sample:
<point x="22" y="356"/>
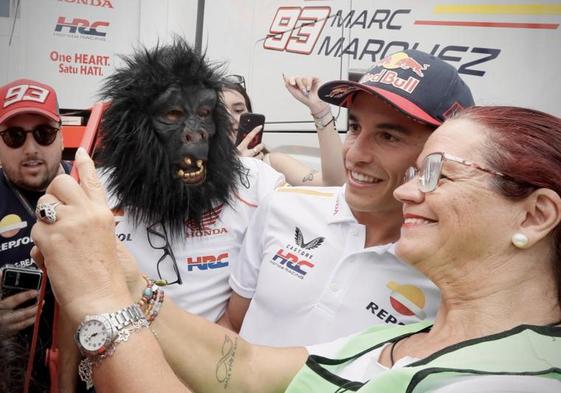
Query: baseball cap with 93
<point x="28" y="96"/>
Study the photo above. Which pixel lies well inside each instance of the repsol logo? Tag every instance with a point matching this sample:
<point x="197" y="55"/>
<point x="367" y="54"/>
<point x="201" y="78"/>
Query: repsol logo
<point x="93" y="3"/>
<point x="81" y="26"/>
<point x="124" y="237"/>
<point x="291" y="263"/>
<point x="207" y="262"/>
<point x="382" y="314"/>
<point x="22" y="241"/>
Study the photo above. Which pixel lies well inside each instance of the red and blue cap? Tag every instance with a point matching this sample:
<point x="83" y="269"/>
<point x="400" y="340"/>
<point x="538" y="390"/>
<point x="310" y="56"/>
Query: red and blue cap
<point x="28" y="96"/>
<point x="418" y="84"/>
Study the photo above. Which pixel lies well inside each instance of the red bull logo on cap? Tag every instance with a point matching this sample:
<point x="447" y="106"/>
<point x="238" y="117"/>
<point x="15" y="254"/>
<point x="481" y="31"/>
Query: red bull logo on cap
<point x="387" y="76"/>
<point x="403" y="61"/>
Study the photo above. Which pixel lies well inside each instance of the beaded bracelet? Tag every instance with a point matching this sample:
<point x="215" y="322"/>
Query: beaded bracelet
<point x="152" y="298"/>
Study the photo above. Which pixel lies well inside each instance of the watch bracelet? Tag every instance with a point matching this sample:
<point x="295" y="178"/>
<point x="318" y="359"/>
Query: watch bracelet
<point x="87" y="365"/>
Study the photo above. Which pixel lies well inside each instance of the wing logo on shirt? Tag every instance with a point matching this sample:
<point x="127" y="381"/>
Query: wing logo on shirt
<point x="207" y="227"/>
<point x="299" y="239"/>
<point x="208" y="219"/>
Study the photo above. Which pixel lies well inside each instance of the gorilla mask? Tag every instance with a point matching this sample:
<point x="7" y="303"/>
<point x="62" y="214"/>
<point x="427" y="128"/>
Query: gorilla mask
<point x="165" y="137"/>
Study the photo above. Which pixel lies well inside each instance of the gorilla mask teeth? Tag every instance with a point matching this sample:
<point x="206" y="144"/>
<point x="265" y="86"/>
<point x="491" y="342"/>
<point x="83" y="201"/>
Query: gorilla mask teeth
<point x="191" y="175"/>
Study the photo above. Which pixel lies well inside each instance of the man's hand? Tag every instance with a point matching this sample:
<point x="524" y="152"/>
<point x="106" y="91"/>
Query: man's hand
<point x="12" y="320"/>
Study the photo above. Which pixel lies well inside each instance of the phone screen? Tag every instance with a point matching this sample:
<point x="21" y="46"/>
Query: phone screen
<point x="248" y="121"/>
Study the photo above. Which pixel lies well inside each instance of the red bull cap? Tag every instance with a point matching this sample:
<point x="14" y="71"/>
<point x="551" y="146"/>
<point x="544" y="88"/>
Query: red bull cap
<point x="416" y="83"/>
<point x="28" y="96"/>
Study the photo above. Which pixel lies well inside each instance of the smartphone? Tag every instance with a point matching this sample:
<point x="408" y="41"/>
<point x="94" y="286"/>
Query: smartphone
<point x="20" y="279"/>
<point x="89" y="139"/>
<point x="248" y="121"/>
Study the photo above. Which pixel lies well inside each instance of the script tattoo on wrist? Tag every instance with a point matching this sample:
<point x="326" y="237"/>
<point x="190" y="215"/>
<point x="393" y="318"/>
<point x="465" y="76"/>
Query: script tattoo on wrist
<point x="309" y="176"/>
<point x="226" y="363"/>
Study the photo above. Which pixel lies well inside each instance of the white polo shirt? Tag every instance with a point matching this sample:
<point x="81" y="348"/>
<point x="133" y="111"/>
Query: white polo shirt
<point x="311" y="280"/>
<point x="204" y="256"/>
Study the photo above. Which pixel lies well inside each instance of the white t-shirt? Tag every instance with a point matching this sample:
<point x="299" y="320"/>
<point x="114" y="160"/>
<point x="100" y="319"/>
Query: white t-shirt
<point x="311" y="280"/>
<point x="204" y="256"/>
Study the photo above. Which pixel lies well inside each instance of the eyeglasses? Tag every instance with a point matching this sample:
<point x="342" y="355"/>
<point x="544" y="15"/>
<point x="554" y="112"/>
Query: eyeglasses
<point x="237" y="79"/>
<point x="15" y="137"/>
<point x="431" y="170"/>
<point x="167" y="264"/>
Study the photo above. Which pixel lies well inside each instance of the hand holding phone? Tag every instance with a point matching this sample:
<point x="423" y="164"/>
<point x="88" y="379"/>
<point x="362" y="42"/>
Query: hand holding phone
<point x="16" y="280"/>
<point x="248" y="122"/>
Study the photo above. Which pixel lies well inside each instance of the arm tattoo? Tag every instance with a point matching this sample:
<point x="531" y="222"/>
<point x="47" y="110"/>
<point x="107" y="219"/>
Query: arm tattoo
<point x="309" y="176"/>
<point x="226" y="363"/>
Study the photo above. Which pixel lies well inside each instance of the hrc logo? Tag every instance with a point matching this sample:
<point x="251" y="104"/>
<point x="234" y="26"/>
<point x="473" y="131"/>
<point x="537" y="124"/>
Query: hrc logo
<point x="81" y="26"/>
<point x="207" y="262"/>
<point x="291" y="263"/>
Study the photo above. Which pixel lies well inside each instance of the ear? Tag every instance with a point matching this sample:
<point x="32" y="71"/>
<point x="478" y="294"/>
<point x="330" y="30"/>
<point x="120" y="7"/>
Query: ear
<point x="543" y="214"/>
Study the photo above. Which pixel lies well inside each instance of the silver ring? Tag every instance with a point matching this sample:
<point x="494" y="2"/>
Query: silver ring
<point x="46" y="212"/>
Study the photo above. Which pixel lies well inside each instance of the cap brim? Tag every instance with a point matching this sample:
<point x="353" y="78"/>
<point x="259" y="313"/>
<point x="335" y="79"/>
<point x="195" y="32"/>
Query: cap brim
<point x="398" y="102"/>
<point x="35" y="111"/>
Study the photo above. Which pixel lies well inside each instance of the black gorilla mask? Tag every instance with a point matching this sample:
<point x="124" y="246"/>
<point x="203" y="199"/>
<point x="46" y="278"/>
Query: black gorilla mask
<point x="182" y="119"/>
<point x="165" y="137"/>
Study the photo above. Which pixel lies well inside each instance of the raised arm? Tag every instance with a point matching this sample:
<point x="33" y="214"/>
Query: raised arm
<point x="305" y="90"/>
<point x="96" y="277"/>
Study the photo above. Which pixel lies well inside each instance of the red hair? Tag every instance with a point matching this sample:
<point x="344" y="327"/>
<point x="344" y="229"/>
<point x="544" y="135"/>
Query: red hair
<point x="525" y="144"/>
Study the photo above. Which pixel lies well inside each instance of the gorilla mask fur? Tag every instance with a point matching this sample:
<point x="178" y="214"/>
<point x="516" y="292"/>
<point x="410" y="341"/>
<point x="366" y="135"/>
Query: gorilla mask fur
<point x="165" y="137"/>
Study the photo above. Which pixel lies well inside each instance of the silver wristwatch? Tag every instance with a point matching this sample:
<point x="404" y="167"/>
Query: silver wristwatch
<point x="97" y="333"/>
<point x="97" y="336"/>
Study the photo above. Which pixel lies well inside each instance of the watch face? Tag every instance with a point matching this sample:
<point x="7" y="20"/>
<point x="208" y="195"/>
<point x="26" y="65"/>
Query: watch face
<point x="94" y="335"/>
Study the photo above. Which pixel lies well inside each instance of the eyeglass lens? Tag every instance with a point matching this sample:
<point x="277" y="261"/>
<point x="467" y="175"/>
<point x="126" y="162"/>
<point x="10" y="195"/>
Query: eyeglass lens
<point x="44" y="134"/>
<point x="430" y="172"/>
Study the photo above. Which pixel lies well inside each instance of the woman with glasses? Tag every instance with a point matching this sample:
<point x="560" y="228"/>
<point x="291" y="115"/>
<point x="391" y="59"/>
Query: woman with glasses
<point x="482" y="213"/>
<point x="304" y="89"/>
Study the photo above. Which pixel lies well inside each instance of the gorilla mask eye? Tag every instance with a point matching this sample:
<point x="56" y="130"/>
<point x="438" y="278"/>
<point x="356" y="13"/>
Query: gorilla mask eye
<point x="203" y="112"/>
<point x="174" y="115"/>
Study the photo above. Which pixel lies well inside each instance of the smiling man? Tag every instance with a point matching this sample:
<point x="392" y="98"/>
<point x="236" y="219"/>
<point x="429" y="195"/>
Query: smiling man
<point x="318" y="263"/>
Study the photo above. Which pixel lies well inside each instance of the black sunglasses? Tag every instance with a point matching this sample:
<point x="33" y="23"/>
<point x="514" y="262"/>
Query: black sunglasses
<point x="15" y="137"/>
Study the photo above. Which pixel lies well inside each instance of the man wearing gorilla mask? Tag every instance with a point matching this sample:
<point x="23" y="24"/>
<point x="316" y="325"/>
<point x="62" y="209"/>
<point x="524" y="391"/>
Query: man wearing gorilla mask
<point x="181" y="195"/>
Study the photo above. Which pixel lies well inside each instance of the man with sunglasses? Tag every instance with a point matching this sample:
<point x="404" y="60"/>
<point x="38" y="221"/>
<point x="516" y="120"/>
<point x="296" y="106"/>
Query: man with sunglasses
<point x="318" y="263"/>
<point x="31" y="152"/>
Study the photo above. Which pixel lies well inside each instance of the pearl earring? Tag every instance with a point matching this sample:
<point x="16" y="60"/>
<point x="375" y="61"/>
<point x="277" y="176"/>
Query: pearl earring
<point x="519" y="240"/>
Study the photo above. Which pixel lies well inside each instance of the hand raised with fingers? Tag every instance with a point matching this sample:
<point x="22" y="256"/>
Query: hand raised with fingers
<point x="305" y="90"/>
<point x="79" y="249"/>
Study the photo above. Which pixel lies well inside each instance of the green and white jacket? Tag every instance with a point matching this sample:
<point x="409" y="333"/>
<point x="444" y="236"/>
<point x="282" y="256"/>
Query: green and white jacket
<point x="524" y="350"/>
